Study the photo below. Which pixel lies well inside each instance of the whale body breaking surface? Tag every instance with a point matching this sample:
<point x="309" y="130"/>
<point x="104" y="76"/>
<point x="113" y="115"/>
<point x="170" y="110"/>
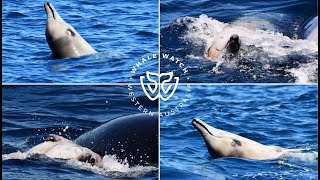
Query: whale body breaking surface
<point x="63" y="40"/>
<point x="130" y="142"/>
<point x="225" y="144"/>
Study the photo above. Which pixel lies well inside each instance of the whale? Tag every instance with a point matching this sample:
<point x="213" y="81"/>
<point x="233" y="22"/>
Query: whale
<point x="227" y="42"/>
<point x="225" y="144"/>
<point x="310" y="29"/>
<point x="58" y="147"/>
<point x="133" y="138"/>
<point x="63" y="40"/>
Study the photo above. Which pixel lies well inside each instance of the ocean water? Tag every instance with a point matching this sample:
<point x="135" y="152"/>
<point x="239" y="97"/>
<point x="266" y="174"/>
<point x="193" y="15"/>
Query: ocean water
<point x="272" y="50"/>
<point x="29" y="113"/>
<point x="285" y="116"/>
<point x="122" y="32"/>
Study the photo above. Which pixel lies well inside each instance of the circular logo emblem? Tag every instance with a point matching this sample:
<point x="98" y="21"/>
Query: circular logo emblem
<point x="163" y="87"/>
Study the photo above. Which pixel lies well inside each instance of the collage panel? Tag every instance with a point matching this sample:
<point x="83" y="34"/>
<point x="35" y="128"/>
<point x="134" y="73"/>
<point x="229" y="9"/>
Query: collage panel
<point x="241" y="132"/>
<point x="72" y="132"/>
<point x="241" y="41"/>
<point x="77" y="41"/>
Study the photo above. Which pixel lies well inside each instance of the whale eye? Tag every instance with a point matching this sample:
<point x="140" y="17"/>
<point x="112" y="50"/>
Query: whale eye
<point x="236" y="142"/>
<point x="70" y="32"/>
<point x="50" y="138"/>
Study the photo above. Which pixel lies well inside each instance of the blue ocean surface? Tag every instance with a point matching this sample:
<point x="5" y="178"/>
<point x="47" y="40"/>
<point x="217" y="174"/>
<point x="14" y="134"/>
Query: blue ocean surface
<point x="272" y="46"/>
<point x="285" y="116"/>
<point x="29" y="113"/>
<point x="122" y="32"/>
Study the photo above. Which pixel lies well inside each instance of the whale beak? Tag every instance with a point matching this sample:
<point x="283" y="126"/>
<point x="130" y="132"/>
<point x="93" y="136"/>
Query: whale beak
<point x="205" y="129"/>
<point x="233" y="44"/>
<point x="50" y="11"/>
<point x="201" y="126"/>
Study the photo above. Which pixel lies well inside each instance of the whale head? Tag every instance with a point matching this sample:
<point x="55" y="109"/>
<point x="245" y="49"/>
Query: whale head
<point x="63" y="40"/>
<point x="233" y="45"/>
<point x="225" y="44"/>
<point x="219" y="143"/>
<point x="55" y="146"/>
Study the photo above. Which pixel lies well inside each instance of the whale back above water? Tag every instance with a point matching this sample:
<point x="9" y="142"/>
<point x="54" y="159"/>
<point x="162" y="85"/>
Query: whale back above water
<point x="133" y="137"/>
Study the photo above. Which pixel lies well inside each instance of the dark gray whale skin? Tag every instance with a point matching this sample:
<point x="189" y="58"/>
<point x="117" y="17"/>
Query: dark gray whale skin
<point x="133" y="137"/>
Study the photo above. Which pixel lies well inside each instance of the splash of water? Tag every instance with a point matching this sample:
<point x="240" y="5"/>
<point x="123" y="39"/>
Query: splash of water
<point x="263" y="47"/>
<point x="110" y="165"/>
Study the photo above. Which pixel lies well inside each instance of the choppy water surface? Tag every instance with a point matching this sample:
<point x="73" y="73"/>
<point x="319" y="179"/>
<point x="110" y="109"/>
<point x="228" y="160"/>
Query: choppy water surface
<point x="32" y="112"/>
<point x="120" y="31"/>
<point x="270" y="32"/>
<point x="285" y="116"/>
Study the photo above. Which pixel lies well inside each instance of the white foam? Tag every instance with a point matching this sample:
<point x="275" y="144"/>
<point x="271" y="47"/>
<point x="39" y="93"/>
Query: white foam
<point x="306" y="157"/>
<point x="205" y="29"/>
<point x="252" y="22"/>
<point x="201" y="31"/>
<point x="270" y="46"/>
<point x="16" y="155"/>
<point x="306" y="72"/>
<point x="110" y="165"/>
